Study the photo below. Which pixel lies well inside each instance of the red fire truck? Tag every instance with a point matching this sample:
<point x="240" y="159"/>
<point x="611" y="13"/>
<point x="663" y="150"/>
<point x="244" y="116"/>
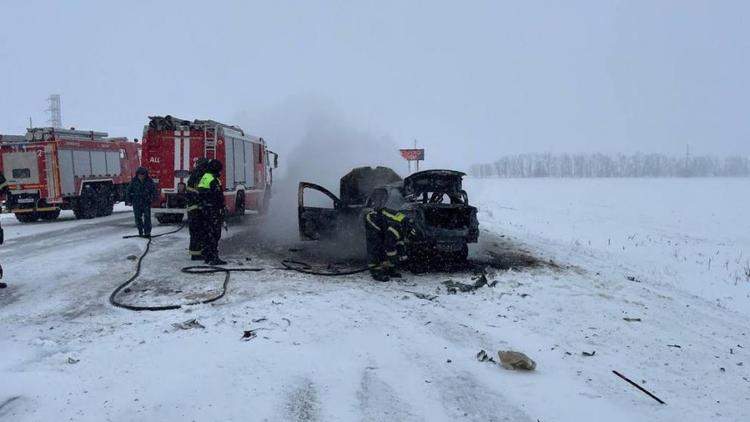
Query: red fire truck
<point x="53" y="169"/>
<point x="172" y="146"/>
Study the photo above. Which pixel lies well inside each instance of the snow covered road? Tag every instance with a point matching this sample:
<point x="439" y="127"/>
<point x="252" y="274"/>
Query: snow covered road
<point x="346" y="348"/>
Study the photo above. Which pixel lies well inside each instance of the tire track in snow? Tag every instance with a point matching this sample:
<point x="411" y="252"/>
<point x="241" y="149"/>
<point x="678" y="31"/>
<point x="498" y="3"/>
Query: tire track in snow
<point x="302" y="403"/>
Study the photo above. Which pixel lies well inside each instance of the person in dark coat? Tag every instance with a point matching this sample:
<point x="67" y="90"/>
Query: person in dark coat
<point x="141" y="191"/>
<point x="211" y="196"/>
<point x="196" y="220"/>
<point x="4" y="191"/>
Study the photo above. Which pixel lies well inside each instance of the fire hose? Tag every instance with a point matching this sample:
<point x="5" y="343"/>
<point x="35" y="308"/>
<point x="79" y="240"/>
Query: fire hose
<point x="193" y="269"/>
<point x="288" y="264"/>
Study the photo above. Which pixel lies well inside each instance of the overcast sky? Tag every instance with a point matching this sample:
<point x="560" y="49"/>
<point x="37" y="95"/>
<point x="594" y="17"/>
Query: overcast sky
<point x="470" y="80"/>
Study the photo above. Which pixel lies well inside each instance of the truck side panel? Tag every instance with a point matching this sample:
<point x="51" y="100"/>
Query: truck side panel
<point x="67" y="178"/>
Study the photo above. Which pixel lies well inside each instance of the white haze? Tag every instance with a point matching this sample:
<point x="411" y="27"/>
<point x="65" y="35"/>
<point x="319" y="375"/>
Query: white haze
<point x="471" y="81"/>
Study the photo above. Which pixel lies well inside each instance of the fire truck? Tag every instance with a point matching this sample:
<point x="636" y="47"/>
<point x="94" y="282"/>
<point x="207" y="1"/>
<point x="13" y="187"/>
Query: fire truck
<point x="172" y="146"/>
<point x="53" y="169"/>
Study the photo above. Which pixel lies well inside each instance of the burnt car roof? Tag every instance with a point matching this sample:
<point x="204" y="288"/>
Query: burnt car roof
<point x="357" y="185"/>
<point x="433" y="180"/>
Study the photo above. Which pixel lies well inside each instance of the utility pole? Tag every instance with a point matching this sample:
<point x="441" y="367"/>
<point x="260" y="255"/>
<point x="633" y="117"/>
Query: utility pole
<point x="55" y="111"/>
<point x="415" y="147"/>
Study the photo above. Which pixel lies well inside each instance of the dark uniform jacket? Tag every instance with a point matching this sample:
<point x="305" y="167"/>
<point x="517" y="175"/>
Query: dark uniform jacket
<point x="140" y="194"/>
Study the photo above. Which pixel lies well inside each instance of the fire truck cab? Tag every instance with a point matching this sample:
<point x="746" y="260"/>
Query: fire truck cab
<point x="172" y="146"/>
<point x="52" y="169"/>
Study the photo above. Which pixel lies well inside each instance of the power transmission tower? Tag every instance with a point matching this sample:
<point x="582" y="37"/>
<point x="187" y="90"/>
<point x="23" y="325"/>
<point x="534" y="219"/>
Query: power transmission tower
<point x="55" y="111"/>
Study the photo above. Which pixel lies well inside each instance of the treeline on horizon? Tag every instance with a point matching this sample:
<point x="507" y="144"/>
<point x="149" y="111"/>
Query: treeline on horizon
<point x="619" y="165"/>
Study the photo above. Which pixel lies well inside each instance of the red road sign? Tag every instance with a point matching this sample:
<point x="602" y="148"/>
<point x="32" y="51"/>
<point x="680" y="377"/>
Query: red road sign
<point x="413" y="154"/>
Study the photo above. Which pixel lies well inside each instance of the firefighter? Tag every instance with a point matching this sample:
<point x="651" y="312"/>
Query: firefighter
<point x="211" y="196"/>
<point x="140" y="193"/>
<point x="4" y="191"/>
<point x="196" y="222"/>
<point x="386" y="248"/>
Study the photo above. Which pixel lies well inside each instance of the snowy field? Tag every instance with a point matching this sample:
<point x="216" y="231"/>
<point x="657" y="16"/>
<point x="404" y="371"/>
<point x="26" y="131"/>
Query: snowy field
<point x="648" y="277"/>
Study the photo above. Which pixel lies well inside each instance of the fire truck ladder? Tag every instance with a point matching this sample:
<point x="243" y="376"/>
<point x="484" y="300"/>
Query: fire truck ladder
<point x="209" y="144"/>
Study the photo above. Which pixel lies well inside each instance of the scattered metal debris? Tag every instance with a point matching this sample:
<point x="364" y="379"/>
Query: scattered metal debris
<point x="632" y="278"/>
<point x="248" y="335"/>
<point x="260" y="319"/>
<point x="592" y="353"/>
<point x="632" y="319"/>
<point x="516" y="360"/>
<point x="424" y="296"/>
<point x="288" y="322"/>
<point x="675" y="346"/>
<point x="638" y="386"/>
<point x="131" y="257"/>
<point x="188" y="324"/>
<point x="72" y="360"/>
<point x="482" y="356"/>
<point x="454" y="287"/>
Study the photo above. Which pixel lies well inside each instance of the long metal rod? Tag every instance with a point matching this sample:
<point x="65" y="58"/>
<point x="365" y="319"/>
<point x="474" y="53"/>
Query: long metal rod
<point x="638" y="386"/>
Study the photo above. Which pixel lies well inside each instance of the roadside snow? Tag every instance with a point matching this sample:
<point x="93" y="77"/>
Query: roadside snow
<point x="348" y="348"/>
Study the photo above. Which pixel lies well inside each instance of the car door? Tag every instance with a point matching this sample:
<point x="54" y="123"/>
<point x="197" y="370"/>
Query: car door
<point x="317" y="222"/>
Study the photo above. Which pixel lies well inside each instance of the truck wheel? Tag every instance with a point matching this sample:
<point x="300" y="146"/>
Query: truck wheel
<point x="27" y="217"/>
<point x="103" y="202"/>
<point x="86" y="207"/>
<point x="49" y="215"/>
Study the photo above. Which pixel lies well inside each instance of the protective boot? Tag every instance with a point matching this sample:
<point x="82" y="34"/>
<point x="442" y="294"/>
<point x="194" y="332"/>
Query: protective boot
<point x="379" y="276"/>
<point x="216" y="261"/>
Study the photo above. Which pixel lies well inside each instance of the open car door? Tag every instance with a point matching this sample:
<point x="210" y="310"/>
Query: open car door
<point x="317" y="223"/>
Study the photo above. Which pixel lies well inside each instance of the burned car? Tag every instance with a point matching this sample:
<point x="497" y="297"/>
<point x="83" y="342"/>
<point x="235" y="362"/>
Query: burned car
<point x="436" y="206"/>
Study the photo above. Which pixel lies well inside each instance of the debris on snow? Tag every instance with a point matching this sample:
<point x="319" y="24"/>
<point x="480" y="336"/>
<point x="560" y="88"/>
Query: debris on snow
<point x="632" y="319"/>
<point x="632" y="278"/>
<point x="482" y="356"/>
<point x="592" y="353"/>
<point x="454" y="287"/>
<point x="131" y="257"/>
<point x="424" y="296"/>
<point x="288" y="322"/>
<point x="72" y="360"/>
<point x="638" y="386"/>
<point x="248" y="335"/>
<point x="516" y="360"/>
<point x="188" y="324"/>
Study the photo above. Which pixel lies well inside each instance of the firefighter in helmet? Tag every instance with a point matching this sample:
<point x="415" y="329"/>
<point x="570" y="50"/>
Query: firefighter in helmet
<point x="211" y="196"/>
<point x="196" y="222"/>
<point x="386" y="247"/>
<point x="4" y="191"/>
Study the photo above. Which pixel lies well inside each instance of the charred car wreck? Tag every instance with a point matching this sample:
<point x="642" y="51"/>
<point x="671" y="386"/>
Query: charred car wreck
<point x="434" y="202"/>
